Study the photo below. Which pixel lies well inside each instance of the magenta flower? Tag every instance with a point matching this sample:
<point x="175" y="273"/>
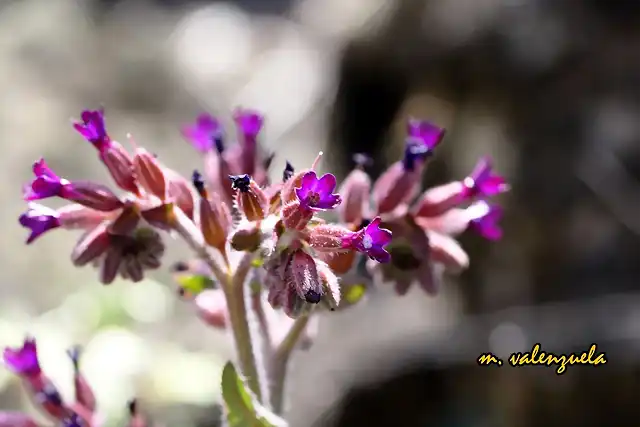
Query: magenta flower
<point x="46" y="183"/>
<point x="205" y="133"/>
<point x="249" y="123"/>
<point x="371" y="241"/>
<point x="482" y="182"/>
<point x="414" y="151"/>
<point x="39" y="219"/>
<point x="24" y="360"/>
<point x="92" y="128"/>
<point x="317" y="193"/>
<point x="428" y="134"/>
<point x="484" y="218"/>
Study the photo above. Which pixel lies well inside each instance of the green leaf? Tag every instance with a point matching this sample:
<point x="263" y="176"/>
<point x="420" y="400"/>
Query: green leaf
<point x="242" y="408"/>
<point x="354" y="293"/>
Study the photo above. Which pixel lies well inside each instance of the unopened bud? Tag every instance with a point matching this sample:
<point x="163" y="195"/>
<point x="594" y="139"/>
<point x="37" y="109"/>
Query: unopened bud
<point x="211" y="307"/>
<point x="247" y="237"/>
<point x="75" y="216"/>
<point x="355" y="191"/>
<point x="329" y="238"/>
<point x="150" y="173"/>
<point x="252" y="201"/>
<point x="340" y="262"/>
<point x="94" y="196"/>
<point x="305" y="277"/>
<point x="397" y="185"/>
<point x="330" y="287"/>
<point x="179" y="191"/>
<point x="438" y="200"/>
<point x="295" y="217"/>
<point x="120" y="166"/>
<point x="214" y="221"/>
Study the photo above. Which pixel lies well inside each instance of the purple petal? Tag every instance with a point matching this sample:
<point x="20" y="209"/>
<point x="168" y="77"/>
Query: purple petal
<point x="23" y="361"/>
<point x="328" y="202"/>
<point x="40" y="168"/>
<point x="39" y="219"/>
<point x="485" y="218"/>
<point x="249" y="122"/>
<point x="429" y="134"/>
<point x="380" y="255"/>
<point x="204" y="133"/>
<point x="379" y="236"/>
<point x="325" y="185"/>
<point x="307" y="185"/>
<point x="92" y="128"/>
<point x="482" y="182"/>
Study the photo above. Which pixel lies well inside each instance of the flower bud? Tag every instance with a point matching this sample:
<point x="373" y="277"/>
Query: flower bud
<point x="304" y="276"/>
<point x="211" y="307"/>
<point x="247" y="237"/>
<point x="295" y="217"/>
<point x="252" y="201"/>
<point x="355" y="191"/>
<point x="330" y="238"/>
<point x="179" y="191"/>
<point x="330" y="286"/>
<point x="75" y="216"/>
<point x="150" y="173"/>
<point x="397" y="185"/>
<point x="120" y="166"/>
<point x="94" y="196"/>
<point x="214" y="216"/>
<point x="438" y="200"/>
<point x="340" y="262"/>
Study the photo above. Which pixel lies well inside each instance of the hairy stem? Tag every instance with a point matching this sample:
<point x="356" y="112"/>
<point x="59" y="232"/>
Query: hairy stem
<point x="280" y="361"/>
<point x="233" y="286"/>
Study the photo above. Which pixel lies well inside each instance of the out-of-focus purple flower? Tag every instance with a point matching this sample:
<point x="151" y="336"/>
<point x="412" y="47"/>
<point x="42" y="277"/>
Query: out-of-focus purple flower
<point x="39" y="219"/>
<point x="205" y="133"/>
<point x="317" y="193"/>
<point x="23" y="361"/>
<point x="46" y="183"/>
<point x="484" y="218"/>
<point x="428" y="134"/>
<point x="249" y="123"/>
<point x="414" y="152"/>
<point x="371" y="240"/>
<point x="92" y="128"/>
<point x="72" y="421"/>
<point x="481" y="182"/>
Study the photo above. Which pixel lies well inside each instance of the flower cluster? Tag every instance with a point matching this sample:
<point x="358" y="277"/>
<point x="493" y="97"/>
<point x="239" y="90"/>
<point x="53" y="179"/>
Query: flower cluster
<point x="249" y="232"/>
<point x="81" y="412"/>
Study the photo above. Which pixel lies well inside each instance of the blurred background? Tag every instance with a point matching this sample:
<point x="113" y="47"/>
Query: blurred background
<point x="550" y="89"/>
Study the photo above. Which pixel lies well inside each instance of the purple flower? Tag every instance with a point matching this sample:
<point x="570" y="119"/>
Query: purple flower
<point x="249" y="123"/>
<point x="92" y="128"/>
<point x="414" y="151"/>
<point x="484" y="218"/>
<point x="481" y="182"/>
<point x="24" y="360"/>
<point x="204" y="133"/>
<point x="371" y="240"/>
<point x="39" y="219"/>
<point x="73" y="421"/>
<point x="428" y="134"/>
<point x="46" y="183"/>
<point x="317" y="194"/>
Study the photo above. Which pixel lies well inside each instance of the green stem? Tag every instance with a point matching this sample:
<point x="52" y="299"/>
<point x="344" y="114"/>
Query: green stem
<point x="233" y="286"/>
<point x="280" y="361"/>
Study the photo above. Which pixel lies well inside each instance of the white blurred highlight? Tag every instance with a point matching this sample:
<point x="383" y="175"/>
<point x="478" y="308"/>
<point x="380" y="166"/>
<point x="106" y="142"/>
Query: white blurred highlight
<point x="148" y="301"/>
<point x="507" y="338"/>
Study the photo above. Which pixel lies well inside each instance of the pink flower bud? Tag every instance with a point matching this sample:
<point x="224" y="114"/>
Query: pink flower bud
<point x="330" y="238"/>
<point x="439" y="200"/>
<point x="120" y="166"/>
<point x="75" y="216"/>
<point x="295" y="217"/>
<point x="211" y="307"/>
<point x="150" y="173"/>
<point x="83" y="391"/>
<point x="252" y="201"/>
<point x="16" y="419"/>
<point x="445" y="250"/>
<point x="214" y="221"/>
<point x="397" y="185"/>
<point x="355" y="191"/>
<point x="180" y="193"/>
<point x="305" y="277"/>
